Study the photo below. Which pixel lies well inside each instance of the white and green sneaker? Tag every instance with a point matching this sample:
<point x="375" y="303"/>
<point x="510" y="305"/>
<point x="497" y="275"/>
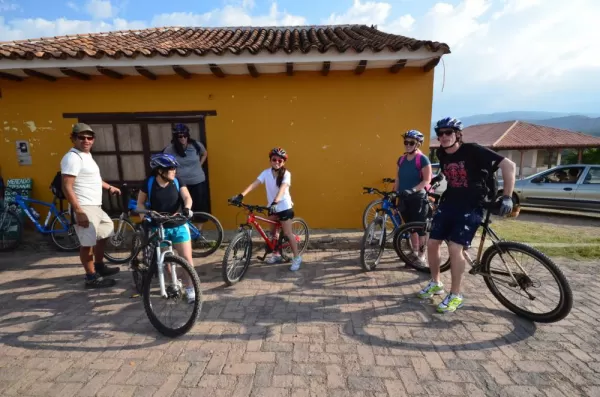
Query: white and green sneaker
<point x="431" y="289"/>
<point x="450" y="303"/>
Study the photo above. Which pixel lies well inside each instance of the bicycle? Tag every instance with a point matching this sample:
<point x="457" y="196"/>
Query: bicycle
<point x="205" y="242"/>
<point x="376" y="236"/>
<point x="242" y="242"/>
<point x="520" y="279"/>
<point x="11" y="226"/>
<point x="370" y="211"/>
<point x="151" y="267"/>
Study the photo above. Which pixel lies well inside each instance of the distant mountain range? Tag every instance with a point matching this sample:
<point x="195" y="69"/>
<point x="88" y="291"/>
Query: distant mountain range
<point x="586" y="123"/>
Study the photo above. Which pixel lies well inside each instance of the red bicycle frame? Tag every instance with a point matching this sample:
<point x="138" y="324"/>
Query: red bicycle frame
<point x="272" y="243"/>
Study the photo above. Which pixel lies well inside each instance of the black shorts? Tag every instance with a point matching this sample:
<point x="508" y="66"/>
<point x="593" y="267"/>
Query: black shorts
<point x="199" y="193"/>
<point x="415" y="209"/>
<point x="286" y="215"/>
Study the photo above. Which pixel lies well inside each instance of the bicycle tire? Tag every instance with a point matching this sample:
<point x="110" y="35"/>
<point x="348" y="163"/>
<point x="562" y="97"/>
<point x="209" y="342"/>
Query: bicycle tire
<point x="389" y="224"/>
<point x="160" y="327"/>
<point x="565" y="304"/>
<point x="286" y="253"/>
<point x="240" y="238"/>
<point x="70" y="232"/>
<point x="404" y="229"/>
<point x="365" y="240"/>
<point x="126" y="259"/>
<point x="4" y="216"/>
<point x="218" y="241"/>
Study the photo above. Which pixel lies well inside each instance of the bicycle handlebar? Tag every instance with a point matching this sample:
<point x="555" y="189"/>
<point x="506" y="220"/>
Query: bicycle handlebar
<point x="162" y="217"/>
<point x="251" y="208"/>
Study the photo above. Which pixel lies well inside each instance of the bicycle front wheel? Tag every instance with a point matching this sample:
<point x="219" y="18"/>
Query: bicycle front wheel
<point x="301" y="234"/>
<point x="172" y="315"/>
<point x="237" y="258"/>
<point x="372" y="244"/>
<point x="512" y="281"/>
<point x="11" y="231"/>
<point x="64" y="240"/>
<point x="209" y="238"/>
<point x="120" y="246"/>
<point x="405" y="250"/>
<point x="370" y="213"/>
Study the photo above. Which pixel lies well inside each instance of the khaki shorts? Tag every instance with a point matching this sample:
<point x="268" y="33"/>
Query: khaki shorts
<point x="101" y="226"/>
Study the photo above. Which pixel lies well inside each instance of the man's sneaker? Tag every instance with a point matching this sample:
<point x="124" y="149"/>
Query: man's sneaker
<point x="296" y="263"/>
<point x="191" y="295"/>
<point x="97" y="281"/>
<point x="431" y="289"/>
<point x="450" y="303"/>
<point x="274" y="259"/>
<point x="105" y="271"/>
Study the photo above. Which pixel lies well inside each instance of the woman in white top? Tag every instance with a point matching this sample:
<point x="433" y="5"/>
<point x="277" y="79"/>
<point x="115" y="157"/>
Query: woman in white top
<point x="277" y="181"/>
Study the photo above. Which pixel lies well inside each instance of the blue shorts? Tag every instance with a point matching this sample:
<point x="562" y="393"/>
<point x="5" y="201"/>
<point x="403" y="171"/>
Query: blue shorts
<point x="456" y="225"/>
<point x="178" y="234"/>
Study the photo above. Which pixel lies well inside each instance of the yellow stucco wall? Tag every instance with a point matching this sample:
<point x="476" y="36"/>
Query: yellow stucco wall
<point x="342" y="131"/>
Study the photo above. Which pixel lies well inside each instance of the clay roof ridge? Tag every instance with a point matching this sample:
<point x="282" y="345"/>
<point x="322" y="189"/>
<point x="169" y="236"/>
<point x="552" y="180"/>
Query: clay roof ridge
<point x="515" y="122"/>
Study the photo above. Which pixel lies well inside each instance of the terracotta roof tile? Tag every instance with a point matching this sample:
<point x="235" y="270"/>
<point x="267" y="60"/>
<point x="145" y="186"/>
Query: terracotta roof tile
<point x="195" y="40"/>
<point x="523" y="135"/>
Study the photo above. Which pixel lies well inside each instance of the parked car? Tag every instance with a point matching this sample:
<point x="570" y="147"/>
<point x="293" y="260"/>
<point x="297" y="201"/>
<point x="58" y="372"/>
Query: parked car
<point x="573" y="187"/>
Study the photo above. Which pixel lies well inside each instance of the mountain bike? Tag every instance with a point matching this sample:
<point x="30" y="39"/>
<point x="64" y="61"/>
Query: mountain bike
<point x="514" y="275"/>
<point x="119" y="247"/>
<point x="60" y="229"/>
<point x="153" y="265"/>
<point x="239" y="253"/>
<point x="370" y="211"/>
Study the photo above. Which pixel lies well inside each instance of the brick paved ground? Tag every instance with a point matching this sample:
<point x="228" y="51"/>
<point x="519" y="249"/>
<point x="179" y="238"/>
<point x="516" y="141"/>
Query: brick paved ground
<point x="329" y="330"/>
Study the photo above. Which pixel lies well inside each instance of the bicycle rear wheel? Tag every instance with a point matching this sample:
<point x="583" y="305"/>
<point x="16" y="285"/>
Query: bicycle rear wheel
<point x="180" y="320"/>
<point x="405" y="250"/>
<point x="301" y="233"/>
<point x="372" y="244"/>
<point x="67" y="240"/>
<point x="119" y="246"/>
<point x="528" y="288"/>
<point x="211" y="234"/>
<point x="11" y="231"/>
<point x="237" y="258"/>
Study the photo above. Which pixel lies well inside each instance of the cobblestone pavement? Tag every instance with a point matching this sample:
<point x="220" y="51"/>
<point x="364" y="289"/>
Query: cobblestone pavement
<point x="328" y="330"/>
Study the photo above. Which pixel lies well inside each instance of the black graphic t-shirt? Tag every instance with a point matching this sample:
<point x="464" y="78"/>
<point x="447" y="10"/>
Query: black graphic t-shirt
<point x="465" y="181"/>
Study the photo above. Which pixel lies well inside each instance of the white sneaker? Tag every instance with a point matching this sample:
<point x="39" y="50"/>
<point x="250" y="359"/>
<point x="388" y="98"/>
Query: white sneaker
<point x="274" y="259"/>
<point x="191" y="294"/>
<point x="296" y="263"/>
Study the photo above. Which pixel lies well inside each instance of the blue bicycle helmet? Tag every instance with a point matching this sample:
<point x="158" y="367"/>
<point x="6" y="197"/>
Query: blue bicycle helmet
<point x="449" y="122"/>
<point x="414" y="134"/>
<point x="180" y="128"/>
<point x="163" y="160"/>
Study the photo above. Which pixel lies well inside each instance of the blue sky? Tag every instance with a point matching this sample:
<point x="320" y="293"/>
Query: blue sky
<point x="506" y="54"/>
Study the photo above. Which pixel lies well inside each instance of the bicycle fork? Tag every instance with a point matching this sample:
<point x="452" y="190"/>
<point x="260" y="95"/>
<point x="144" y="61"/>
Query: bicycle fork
<point x="160" y="260"/>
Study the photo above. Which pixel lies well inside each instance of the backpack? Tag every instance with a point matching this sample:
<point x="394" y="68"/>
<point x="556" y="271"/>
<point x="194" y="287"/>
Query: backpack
<point x="418" y="164"/>
<point x="149" y="187"/>
<point x="56" y="185"/>
<point x="487" y="173"/>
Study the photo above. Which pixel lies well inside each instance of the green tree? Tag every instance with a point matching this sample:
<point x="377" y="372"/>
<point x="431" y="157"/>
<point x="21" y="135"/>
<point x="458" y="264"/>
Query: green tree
<point x="590" y="156"/>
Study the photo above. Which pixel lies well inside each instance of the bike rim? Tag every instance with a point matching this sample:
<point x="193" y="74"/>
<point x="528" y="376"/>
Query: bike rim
<point x="300" y="232"/>
<point x="210" y="238"/>
<point x="373" y="244"/>
<point x="238" y="259"/>
<point x="120" y="245"/>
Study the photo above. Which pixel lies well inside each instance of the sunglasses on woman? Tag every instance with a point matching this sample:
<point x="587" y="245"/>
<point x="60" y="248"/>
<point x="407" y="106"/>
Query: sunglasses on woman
<point x="276" y="160"/>
<point x="410" y="143"/>
<point x="182" y="136"/>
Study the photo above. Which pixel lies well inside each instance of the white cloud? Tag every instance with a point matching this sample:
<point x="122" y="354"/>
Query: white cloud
<point x="368" y="13"/>
<point x="73" y="6"/>
<point x="101" y="9"/>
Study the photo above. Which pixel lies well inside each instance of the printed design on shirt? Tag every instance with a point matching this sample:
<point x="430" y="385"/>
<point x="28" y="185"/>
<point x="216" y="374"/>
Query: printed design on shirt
<point x="456" y="174"/>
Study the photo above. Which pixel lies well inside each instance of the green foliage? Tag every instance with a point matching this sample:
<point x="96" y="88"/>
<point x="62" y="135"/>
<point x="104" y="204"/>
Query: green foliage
<point x="590" y="156"/>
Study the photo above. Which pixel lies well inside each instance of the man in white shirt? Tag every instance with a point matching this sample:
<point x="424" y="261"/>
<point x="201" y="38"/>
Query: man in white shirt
<point x="82" y="186"/>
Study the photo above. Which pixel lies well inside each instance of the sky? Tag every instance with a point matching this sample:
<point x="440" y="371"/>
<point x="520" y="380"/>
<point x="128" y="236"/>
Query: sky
<point x="533" y="55"/>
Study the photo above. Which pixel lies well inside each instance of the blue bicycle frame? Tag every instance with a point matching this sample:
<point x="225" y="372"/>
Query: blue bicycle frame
<point x="24" y="203"/>
<point x="194" y="232"/>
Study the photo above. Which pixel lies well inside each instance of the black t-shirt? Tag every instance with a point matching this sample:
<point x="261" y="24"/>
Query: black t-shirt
<point x="165" y="199"/>
<point x="465" y="181"/>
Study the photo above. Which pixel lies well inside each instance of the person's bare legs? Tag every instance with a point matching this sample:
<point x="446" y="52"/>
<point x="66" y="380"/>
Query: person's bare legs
<point x="185" y="251"/>
<point x="87" y="259"/>
<point x="289" y="233"/>
<point x="457" y="266"/>
<point x="99" y="250"/>
<point x="434" y="258"/>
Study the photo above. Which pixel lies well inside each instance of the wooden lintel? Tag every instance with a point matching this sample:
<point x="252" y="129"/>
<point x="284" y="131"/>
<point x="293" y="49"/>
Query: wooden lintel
<point x="145" y="72"/>
<point x="289" y="68"/>
<point x="326" y="67"/>
<point x="431" y="64"/>
<point x="75" y="74"/>
<point x="252" y="70"/>
<point x="395" y="68"/>
<point x="182" y="72"/>
<point x="110" y="73"/>
<point x="216" y="70"/>
<point x="39" y="75"/>
<point x="11" y="77"/>
<point x="362" y="65"/>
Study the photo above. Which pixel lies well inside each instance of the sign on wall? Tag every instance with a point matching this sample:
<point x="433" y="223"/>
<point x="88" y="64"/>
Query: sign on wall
<point x="23" y="153"/>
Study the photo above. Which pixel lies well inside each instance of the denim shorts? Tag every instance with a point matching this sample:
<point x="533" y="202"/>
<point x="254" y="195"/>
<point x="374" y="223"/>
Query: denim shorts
<point x="456" y="224"/>
<point x="178" y="234"/>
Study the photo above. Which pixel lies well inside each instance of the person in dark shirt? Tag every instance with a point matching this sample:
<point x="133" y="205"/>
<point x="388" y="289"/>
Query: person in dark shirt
<point x="465" y="167"/>
<point x="168" y="195"/>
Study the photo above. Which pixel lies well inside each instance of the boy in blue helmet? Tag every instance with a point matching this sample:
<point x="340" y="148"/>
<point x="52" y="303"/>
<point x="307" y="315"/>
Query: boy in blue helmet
<point x="465" y="166"/>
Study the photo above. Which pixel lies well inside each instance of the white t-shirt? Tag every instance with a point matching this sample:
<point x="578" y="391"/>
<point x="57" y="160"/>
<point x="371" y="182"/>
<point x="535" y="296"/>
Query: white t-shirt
<point x="88" y="182"/>
<point x="270" y="183"/>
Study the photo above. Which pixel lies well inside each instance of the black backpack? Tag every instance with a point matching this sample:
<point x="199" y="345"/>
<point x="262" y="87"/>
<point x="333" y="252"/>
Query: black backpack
<point x="487" y="172"/>
<point x="56" y="185"/>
